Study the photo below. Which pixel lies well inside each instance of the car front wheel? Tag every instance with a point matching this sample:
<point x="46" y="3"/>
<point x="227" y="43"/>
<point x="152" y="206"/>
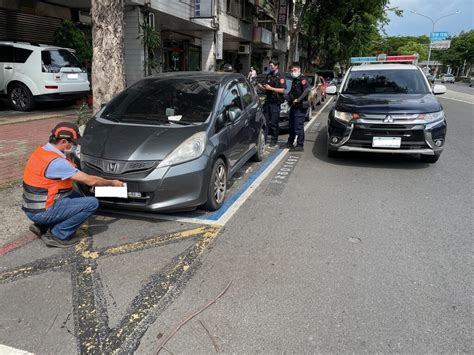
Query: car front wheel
<point x="217" y="186"/>
<point x="258" y="156"/>
<point x="21" y="98"/>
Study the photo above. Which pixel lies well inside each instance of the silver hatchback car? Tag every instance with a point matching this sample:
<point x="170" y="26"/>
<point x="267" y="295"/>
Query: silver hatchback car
<point x="175" y="139"/>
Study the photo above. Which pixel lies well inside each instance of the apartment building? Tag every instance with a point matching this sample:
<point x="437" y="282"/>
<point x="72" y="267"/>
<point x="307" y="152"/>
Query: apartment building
<point x="195" y="34"/>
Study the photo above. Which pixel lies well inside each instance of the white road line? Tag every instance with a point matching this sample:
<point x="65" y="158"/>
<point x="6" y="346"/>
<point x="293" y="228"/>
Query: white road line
<point x="317" y="115"/>
<point x="8" y="350"/>
<point x="240" y="201"/>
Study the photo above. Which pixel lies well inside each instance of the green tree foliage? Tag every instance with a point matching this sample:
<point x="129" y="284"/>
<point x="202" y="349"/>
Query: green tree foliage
<point x="461" y="54"/>
<point x="413" y="47"/>
<point x="70" y="36"/>
<point x="397" y="45"/>
<point x="340" y="29"/>
<point x="151" y="41"/>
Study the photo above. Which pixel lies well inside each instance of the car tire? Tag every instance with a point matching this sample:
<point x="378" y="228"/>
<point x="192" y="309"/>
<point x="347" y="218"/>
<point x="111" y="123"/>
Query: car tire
<point x="258" y="156"/>
<point x="20" y="97"/>
<point x="310" y="112"/>
<point x="430" y="158"/>
<point x="217" y="186"/>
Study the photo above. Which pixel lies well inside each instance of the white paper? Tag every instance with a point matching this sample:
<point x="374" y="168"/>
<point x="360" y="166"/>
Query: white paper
<point x="175" y="118"/>
<point x="111" y="191"/>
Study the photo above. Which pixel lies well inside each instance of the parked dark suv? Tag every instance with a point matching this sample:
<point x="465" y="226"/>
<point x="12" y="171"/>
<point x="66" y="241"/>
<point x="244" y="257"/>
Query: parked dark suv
<point x="175" y="139"/>
<point x="387" y="108"/>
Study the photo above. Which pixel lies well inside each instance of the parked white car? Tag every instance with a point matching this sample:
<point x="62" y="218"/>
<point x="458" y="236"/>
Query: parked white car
<point x="31" y="73"/>
<point x="449" y="78"/>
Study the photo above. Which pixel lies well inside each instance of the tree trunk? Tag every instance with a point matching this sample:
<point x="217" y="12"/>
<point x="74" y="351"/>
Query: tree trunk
<point x="108" y="74"/>
<point x="295" y="24"/>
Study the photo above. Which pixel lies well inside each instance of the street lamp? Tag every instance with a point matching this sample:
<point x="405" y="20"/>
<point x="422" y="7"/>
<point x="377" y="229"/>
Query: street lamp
<point x="432" y="29"/>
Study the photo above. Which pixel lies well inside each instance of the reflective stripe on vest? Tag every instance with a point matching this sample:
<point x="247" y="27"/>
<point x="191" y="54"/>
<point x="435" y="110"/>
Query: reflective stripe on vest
<point x="40" y="192"/>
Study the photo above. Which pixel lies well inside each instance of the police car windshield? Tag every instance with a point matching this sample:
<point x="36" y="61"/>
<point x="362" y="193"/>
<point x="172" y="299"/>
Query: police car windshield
<point x="405" y="81"/>
<point x="159" y="101"/>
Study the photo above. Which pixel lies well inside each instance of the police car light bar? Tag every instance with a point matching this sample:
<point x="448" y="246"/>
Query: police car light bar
<point x="383" y="58"/>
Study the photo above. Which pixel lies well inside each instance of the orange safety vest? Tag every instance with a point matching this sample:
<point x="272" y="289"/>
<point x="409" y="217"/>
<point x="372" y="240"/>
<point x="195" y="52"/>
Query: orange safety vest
<point x="40" y="192"/>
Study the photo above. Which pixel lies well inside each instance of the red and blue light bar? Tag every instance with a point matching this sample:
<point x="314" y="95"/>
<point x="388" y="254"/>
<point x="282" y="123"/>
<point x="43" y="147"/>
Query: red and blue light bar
<point x="382" y="58"/>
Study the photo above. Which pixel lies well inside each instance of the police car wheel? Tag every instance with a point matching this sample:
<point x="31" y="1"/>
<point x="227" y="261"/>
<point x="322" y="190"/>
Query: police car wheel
<point x="217" y="186"/>
<point x="258" y="156"/>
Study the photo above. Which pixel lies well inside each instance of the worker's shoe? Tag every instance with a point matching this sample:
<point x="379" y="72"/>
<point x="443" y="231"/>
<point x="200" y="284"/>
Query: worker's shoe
<point x="38" y="229"/>
<point x="51" y="241"/>
<point x="297" y="149"/>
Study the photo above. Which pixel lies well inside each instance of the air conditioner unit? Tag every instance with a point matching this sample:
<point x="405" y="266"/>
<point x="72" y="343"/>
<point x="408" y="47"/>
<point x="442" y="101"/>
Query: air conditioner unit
<point x="244" y="49"/>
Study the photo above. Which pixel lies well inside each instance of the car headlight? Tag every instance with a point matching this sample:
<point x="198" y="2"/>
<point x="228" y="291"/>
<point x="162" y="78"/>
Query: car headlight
<point x="433" y="116"/>
<point x="345" y="117"/>
<point x="192" y="148"/>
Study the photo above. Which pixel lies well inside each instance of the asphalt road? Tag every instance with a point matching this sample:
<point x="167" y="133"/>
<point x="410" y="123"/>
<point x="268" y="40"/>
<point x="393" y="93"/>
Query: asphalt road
<point x="362" y="254"/>
<point x="359" y="254"/>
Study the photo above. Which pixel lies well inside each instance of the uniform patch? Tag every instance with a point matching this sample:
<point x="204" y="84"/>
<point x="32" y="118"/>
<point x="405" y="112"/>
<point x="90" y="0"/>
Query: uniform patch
<point x="303" y="81"/>
<point x="282" y="81"/>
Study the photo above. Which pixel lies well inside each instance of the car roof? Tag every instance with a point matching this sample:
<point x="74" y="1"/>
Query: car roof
<point x="30" y="45"/>
<point x="384" y="67"/>
<point x="202" y="75"/>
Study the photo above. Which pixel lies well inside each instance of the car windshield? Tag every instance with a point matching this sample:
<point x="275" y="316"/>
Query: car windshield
<point x="178" y="100"/>
<point x="386" y="81"/>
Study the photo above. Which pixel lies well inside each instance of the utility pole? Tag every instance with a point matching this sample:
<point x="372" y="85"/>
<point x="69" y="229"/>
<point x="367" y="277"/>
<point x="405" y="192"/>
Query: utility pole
<point x="432" y="28"/>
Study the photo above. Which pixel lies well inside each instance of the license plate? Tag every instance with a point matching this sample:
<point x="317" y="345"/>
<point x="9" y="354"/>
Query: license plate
<point x="72" y="76"/>
<point x="386" y="142"/>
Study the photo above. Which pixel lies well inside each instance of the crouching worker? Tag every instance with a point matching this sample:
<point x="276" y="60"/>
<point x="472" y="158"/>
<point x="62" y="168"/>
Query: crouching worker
<point x="48" y="196"/>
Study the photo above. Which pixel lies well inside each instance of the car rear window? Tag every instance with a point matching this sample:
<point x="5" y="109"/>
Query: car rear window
<point x="54" y="60"/>
<point x="386" y="81"/>
<point x="163" y="100"/>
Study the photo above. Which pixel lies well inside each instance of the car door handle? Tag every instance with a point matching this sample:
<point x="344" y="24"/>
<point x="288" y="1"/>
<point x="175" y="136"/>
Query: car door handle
<point x="8" y="67"/>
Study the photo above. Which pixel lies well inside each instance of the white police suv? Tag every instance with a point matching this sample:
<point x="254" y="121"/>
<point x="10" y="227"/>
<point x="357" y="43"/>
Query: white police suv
<point x="383" y="106"/>
<point x="31" y="73"/>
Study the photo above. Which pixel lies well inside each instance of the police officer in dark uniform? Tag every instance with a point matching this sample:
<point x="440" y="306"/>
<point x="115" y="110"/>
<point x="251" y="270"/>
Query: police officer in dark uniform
<point x="298" y="100"/>
<point x="275" y="88"/>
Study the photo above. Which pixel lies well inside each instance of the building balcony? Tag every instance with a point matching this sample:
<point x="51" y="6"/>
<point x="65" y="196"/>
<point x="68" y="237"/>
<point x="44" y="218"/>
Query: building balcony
<point x="262" y="37"/>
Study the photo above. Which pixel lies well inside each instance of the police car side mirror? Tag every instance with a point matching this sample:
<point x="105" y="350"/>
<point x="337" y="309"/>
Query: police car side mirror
<point x="439" y="89"/>
<point x="233" y="113"/>
<point x="331" y="90"/>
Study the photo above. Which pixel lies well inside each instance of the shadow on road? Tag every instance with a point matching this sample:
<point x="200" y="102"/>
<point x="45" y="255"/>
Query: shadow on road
<point x="5" y="107"/>
<point x="369" y="160"/>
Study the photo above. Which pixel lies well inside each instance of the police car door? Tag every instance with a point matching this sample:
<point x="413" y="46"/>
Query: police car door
<point x="236" y="126"/>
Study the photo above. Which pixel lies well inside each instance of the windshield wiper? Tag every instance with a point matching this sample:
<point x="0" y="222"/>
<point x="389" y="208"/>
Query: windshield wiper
<point x="182" y="123"/>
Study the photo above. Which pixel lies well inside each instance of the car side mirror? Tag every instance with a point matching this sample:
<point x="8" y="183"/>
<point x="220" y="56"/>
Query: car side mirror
<point x="233" y="113"/>
<point x="439" y="89"/>
<point x="331" y="90"/>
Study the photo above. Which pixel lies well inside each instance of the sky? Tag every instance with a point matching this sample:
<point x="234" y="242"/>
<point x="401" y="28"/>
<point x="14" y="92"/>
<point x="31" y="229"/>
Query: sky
<point x="414" y="25"/>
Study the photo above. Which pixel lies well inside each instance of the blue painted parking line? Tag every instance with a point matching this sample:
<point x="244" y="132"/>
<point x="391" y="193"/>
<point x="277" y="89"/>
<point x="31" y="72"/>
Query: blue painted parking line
<point x="215" y="216"/>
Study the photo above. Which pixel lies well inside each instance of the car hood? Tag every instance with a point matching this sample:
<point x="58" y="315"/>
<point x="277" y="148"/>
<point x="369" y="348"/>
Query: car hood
<point x="133" y="142"/>
<point x="400" y="103"/>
